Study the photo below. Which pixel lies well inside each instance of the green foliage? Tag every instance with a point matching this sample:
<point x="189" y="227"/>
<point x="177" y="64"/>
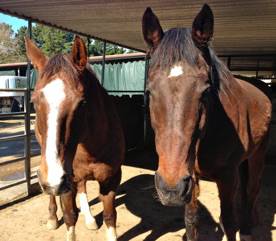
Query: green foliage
<point x="50" y="40"/>
<point x="96" y="48"/>
<point x="54" y="41"/>
<point x="8" y="45"/>
<point x="20" y="40"/>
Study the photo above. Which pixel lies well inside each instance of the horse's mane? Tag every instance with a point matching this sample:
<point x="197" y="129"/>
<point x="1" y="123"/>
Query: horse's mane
<point x="177" y="45"/>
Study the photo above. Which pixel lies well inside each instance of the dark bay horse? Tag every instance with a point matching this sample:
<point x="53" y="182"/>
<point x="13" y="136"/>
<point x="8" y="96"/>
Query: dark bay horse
<point x="80" y="136"/>
<point x="206" y="122"/>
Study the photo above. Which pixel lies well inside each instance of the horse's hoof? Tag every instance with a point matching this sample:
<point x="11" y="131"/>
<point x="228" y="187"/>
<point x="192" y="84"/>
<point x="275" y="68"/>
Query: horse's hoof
<point x="224" y="238"/>
<point x="92" y="225"/>
<point x="70" y="235"/>
<point x="244" y="237"/>
<point x="111" y="234"/>
<point x="52" y="224"/>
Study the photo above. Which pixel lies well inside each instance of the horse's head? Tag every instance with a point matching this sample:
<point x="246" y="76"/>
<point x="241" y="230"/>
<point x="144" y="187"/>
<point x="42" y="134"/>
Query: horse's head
<point x="58" y="98"/>
<point x="177" y="82"/>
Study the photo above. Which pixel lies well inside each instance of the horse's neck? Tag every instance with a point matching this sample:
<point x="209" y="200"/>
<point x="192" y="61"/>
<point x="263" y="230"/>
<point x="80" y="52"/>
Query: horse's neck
<point x="231" y="98"/>
<point x="231" y="107"/>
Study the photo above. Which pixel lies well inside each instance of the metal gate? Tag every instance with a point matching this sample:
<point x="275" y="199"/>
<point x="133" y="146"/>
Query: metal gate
<point x="26" y="136"/>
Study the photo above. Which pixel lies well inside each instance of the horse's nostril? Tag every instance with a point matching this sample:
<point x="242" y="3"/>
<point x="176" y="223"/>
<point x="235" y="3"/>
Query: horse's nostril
<point x="187" y="178"/>
<point x="176" y="195"/>
<point x="64" y="186"/>
<point x="185" y="186"/>
<point x="160" y="184"/>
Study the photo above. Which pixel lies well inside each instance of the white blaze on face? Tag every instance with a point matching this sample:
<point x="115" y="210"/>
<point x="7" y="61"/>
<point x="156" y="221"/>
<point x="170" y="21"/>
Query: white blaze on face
<point x="175" y="71"/>
<point x="55" y="95"/>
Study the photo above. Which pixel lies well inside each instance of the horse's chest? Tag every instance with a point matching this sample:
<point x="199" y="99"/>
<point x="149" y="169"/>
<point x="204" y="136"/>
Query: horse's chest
<point x="87" y="167"/>
<point x="93" y="171"/>
<point x="94" y="163"/>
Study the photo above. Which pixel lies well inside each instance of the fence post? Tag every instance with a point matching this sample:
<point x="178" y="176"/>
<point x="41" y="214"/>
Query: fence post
<point x="88" y="46"/>
<point x="28" y="120"/>
<point x="103" y="63"/>
<point x="146" y="99"/>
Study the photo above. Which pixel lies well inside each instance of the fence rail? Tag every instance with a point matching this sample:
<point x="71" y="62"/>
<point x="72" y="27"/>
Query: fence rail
<point x="23" y="90"/>
<point x="4" y="115"/>
<point x="26" y="136"/>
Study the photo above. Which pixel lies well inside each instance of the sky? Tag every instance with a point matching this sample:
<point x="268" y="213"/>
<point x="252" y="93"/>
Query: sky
<point x="16" y="23"/>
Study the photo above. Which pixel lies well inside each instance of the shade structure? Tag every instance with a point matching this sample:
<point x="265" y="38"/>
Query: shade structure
<point x="241" y="27"/>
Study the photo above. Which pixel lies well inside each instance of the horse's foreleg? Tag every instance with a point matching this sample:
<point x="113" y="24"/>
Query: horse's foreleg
<point x="107" y="196"/>
<point x="90" y="221"/>
<point x="52" y="222"/>
<point x="70" y="213"/>
<point x="191" y="218"/>
<point x="227" y="187"/>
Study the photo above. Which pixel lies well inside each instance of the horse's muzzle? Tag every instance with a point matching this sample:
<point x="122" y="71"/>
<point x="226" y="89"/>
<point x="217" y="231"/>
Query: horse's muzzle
<point x="56" y="190"/>
<point x="176" y="196"/>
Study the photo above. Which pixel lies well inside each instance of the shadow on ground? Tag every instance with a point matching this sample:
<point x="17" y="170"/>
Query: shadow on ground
<point x="138" y="195"/>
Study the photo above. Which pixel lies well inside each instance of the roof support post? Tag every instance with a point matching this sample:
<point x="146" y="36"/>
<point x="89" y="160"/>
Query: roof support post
<point x="229" y="62"/>
<point x="146" y="97"/>
<point x="103" y="63"/>
<point x="274" y="67"/>
<point x="88" y="45"/>
<point x="27" y="107"/>
<point x="258" y="68"/>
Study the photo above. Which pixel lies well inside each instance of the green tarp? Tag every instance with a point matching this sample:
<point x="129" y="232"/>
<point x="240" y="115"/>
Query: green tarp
<point x="122" y="76"/>
<point x="118" y="77"/>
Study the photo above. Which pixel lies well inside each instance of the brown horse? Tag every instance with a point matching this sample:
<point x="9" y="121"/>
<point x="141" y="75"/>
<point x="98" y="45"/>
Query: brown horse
<point x="80" y="136"/>
<point x="206" y="122"/>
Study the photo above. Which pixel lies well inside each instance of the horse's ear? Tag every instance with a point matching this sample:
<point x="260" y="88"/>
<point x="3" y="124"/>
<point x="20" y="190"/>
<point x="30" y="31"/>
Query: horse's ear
<point x="203" y="26"/>
<point x="79" y="53"/>
<point x="38" y="59"/>
<point x="152" y="30"/>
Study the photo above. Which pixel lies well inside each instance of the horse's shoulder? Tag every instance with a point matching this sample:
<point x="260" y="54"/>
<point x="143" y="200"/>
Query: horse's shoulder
<point x="254" y="86"/>
<point x="257" y="93"/>
<point x="258" y="106"/>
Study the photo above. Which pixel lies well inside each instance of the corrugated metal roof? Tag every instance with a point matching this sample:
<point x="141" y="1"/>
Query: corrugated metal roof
<point x="241" y="27"/>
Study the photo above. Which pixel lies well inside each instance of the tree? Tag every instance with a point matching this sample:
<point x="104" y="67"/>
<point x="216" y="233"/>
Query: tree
<point x="8" y="45"/>
<point x="50" y="40"/>
<point x="96" y="48"/>
<point x="20" y="40"/>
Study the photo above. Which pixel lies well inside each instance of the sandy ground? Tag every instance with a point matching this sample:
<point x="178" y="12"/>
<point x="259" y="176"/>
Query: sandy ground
<point x="140" y="215"/>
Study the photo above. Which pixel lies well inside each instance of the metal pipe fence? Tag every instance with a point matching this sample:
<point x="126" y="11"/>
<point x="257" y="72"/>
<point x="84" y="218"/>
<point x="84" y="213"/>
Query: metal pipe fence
<point x="27" y="135"/>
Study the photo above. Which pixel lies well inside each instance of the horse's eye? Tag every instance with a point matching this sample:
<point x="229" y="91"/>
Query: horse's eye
<point x="148" y="92"/>
<point x="83" y="102"/>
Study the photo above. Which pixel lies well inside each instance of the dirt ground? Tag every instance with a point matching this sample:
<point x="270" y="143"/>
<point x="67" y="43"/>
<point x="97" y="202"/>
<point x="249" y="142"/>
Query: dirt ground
<point x="140" y="215"/>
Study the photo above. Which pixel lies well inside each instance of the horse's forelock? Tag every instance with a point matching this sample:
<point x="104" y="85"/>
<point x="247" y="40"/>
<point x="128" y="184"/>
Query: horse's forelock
<point x="60" y="66"/>
<point x="177" y="46"/>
